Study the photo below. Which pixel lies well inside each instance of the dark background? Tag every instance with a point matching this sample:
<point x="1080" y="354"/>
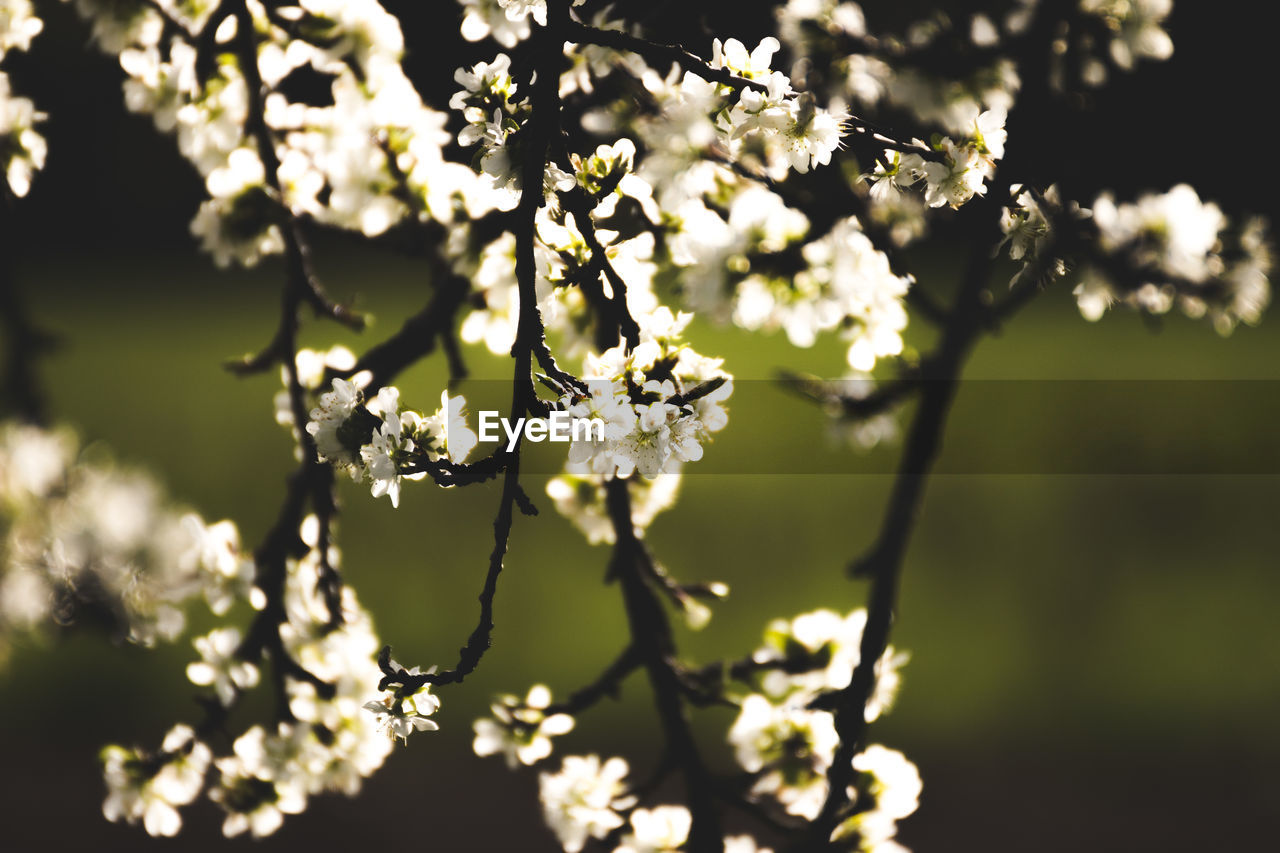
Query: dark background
<point x="1095" y="655"/>
<point x="113" y="183"/>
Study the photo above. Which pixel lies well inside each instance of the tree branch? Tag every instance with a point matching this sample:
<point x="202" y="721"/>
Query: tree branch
<point x="652" y="638"/>
<point x="608" y="684"/>
<point x="656" y="52"/>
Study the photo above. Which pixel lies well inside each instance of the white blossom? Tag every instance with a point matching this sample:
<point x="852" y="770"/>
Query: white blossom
<point x="790" y="747"/>
<point x="18" y="25"/>
<point x="150" y="788"/>
<point x="520" y="730"/>
<point x="484" y="18"/>
<point x="888" y="791"/>
<point x="660" y="830"/>
<point x="1136" y="27"/>
<point x="583" y="799"/>
<point x="220" y="666"/>
<point x="401" y="713"/>
<point x="327" y="420"/>
<point x="24" y="147"/>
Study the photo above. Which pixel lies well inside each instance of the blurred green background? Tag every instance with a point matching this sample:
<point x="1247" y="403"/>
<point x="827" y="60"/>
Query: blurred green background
<point x="1094" y="656"/>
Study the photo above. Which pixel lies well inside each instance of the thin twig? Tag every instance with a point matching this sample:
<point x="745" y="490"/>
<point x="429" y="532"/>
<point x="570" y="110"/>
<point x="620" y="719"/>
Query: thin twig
<point x="607" y="684"/>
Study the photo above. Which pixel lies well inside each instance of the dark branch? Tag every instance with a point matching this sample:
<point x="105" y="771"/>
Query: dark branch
<point x="656" y="52"/>
<point x="608" y="684"/>
<point x="652" y="638"/>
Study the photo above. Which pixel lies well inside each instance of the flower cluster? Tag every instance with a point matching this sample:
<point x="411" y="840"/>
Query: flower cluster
<point x="1025" y="223"/>
<point x="364" y="162"/>
<point x="520" y="729"/>
<point x="712" y="249"/>
<point x="150" y="788"/>
<point x="220" y="667"/>
<point x="580" y="498"/>
<point x="847" y="285"/>
<point x="659" y="402"/>
<point x="819" y="31"/>
<point x="794" y="129"/>
<point x="1028" y="225"/>
<point x="493" y="120"/>
<point x="566" y="267"/>
<point x="485" y="18"/>
<point x="404" y="711"/>
<point x="786" y="744"/>
<point x="1136" y="29"/>
<point x="872" y="74"/>
<point x="887" y="790"/>
<point x="83" y="536"/>
<point x="310" y="369"/>
<point x="583" y="799"/>
<point x="22" y="148"/>
<point x="376" y="442"/>
<point x="955" y="177"/>
<point x="589" y="799"/>
<point x="331" y="743"/>
<point x="789" y="748"/>
<point x="820" y="650"/>
<point x="766" y="127"/>
<point x="1173" y="249"/>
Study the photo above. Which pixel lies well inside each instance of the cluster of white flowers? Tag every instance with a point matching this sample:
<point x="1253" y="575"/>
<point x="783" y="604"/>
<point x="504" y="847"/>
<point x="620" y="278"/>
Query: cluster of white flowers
<point x="332" y="742"/>
<point x="520" y="729"/>
<point x="832" y="641"/>
<point x="368" y="160"/>
<point x="584" y="798"/>
<point x="484" y="18"/>
<point x="608" y="175"/>
<point x="848" y="285"/>
<point x="376" y="441"/>
<point x="310" y="368"/>
<point x="814" y="29"/>
<point x="638" y="394"/>
<point x="581" y="499"/>
<point x="507" y="21"/>
<point x="1175" y="243"/>
<point x="1028" y="226"/>
<point x="715" y="221"/>
<point x="803" y="134"/>
<point x="82" y="534"/>
<point x="1137" y="32"/>
<point x="866" y="81"/>
<point x="887" y="790"/>
<point x="787" y="745"/>
<point x="712" y="249"/>
<point x="493" y="119"/>
<point x="790" y="748"/>
<point x="220" y="667"/>
<point x="589" y="799"/>
<point x="958" y="175"/>
<point x="562" y="258"/>
<point x="152" y="787"/>
<point x="1025" y="223"/>
<point x="402" y="712"/>
<point x="768" y="128"/>
<point x="22" y="148"/>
